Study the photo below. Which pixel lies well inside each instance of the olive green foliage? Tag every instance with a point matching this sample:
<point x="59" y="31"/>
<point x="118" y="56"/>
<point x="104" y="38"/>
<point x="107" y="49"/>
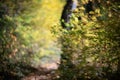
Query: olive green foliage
<point x="30" y="31"/>
<point x="25" y="35"/>
<point x="12" y="13"/>
<point x="15" y="19"/>
<point x="29" y="23"/>
<point x="91" y="47"/>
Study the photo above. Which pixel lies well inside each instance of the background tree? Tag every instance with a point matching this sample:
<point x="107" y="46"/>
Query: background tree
<point x="69" y="7"/>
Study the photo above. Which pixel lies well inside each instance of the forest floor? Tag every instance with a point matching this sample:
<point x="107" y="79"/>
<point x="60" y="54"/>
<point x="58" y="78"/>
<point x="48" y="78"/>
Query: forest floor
<point x="28" y="72"/>
<point x="44" y="73"/>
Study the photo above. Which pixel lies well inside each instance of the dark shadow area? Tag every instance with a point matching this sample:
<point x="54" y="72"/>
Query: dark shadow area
<point x="22" y="71"/>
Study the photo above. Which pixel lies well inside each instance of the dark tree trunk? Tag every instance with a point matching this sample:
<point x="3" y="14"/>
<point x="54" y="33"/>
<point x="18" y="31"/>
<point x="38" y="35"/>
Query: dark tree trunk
<point x="67" y="11"/>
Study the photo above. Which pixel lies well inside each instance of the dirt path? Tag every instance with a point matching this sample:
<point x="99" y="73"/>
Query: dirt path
<point x="47" y="72"/>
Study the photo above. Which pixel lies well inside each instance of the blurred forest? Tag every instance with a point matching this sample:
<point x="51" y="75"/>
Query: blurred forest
<point x="59" y="40"/>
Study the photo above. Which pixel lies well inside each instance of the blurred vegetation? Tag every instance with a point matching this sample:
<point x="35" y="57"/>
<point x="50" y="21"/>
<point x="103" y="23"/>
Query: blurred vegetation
<point x="25" y="36"/>
<point x="31" y="35"/>
<point x="91" y="48"/>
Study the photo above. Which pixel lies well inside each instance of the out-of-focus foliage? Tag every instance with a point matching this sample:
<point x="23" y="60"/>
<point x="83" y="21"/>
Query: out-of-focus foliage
<point x="32" y="24"/>
<point x="43" y="42"/>
<point x="11" y="18"/>
<point x="91" y="48"/>
<point x="25" y="36"/>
